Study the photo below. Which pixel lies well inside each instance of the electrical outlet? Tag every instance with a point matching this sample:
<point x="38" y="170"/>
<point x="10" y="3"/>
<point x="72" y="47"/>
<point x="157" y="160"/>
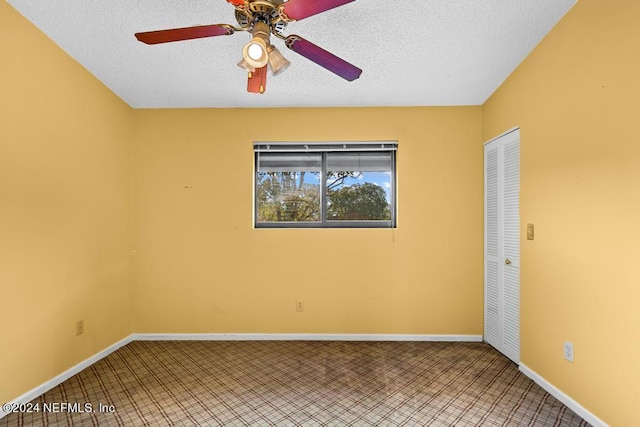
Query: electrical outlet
<point x="80" y="327"/>
<point x="568" y="351"/>
<point x="299" y="305"/>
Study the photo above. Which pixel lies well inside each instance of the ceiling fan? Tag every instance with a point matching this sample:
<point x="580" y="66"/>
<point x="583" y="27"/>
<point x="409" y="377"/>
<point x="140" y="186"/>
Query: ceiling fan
<point x="262" y="18"/>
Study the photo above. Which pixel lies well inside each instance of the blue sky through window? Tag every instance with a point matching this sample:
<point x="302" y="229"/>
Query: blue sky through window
<point x="381" y="179"/>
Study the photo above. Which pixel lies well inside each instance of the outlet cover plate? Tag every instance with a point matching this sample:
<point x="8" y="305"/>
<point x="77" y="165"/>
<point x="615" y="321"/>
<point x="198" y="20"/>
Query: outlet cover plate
<point x="568" y="351"/>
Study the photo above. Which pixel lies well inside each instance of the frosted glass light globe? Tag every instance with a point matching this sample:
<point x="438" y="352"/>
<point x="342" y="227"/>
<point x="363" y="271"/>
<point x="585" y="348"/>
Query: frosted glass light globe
<point x="255" y="51"/>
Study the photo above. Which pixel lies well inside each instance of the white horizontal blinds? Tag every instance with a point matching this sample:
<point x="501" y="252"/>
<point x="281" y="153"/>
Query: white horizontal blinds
<point x="360" y="162"/>
<point x="511" y="242"/>
<point x="492" y="255"/>
<point x="324" y="146"/>
<point x="289" y="162"/>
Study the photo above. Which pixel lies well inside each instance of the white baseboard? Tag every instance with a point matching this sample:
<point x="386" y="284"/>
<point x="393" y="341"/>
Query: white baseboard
<point x="306" y="337"/>
<point x="562" y="397"/>
<point x="43" y="388"/>
<point x="54" y="382"/>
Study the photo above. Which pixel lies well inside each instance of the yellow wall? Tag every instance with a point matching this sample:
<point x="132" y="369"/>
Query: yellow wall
<point x="65" y="210"/>
<point x="576" y="100"/>
<point x="201" y="267"/>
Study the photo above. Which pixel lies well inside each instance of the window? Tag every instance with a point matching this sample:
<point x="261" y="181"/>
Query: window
<point x="325" y="184"/>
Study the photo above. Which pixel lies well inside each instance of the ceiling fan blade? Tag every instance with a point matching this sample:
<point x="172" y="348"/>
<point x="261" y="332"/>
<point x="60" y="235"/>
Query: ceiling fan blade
<point x="187" y="33"/>
<point x="295" y="10"/>
<point x="257" y="82"/>
<point x="323" y="58"/>
<point x="236" y="2"/>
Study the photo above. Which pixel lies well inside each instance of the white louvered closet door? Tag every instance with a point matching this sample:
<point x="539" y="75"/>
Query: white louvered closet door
<point x="502" y="244"/>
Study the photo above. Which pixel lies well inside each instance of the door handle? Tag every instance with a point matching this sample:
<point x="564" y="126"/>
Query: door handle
<point x="507" y="261"/>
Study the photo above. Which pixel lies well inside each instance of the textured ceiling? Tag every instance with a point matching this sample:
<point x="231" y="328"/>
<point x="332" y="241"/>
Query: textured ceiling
<point x="413" y="52"/>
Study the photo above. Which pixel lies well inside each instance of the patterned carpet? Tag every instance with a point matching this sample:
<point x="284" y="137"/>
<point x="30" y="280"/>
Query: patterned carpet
<point x="299" y="383"/>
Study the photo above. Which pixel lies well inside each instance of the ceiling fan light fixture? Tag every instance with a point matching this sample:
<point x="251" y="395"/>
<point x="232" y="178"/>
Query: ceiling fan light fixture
<point x="245" y="66"/>
<point x="277" y="62"/>
<point x="255" y="53"/>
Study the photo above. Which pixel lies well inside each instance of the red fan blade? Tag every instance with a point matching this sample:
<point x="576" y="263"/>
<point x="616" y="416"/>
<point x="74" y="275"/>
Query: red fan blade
<point x="188" y="33"/>
<point x="323" y="58"/>
<point x="236" y="2"/>
<point x="295" y="10"/>
<point x="257" y="82"/>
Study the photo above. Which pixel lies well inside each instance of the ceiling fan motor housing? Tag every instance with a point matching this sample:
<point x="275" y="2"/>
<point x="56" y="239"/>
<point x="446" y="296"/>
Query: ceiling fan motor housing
<point x="261" y="11"/>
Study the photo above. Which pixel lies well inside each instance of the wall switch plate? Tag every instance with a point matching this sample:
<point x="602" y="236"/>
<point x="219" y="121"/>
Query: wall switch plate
<point x="299" y="305"/>
<point x="568" y="351"/>
<point x="529" y="231"/>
